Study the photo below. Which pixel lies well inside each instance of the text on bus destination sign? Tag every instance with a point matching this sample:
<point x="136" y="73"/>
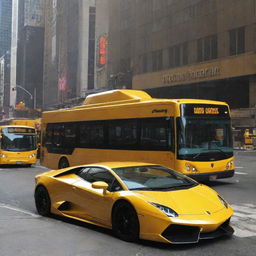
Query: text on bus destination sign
<point x="206" y="111"/>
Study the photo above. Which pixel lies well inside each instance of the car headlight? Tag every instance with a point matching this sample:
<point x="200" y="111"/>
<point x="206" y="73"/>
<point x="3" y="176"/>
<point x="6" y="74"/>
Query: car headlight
<point x="32" y="155"/>
<point x="223" y="201"/>
<point x="3" y="155"/>
<point x="166" y="210"/>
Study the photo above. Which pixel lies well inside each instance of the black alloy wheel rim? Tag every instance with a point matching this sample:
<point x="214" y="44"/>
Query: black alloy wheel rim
<point x="126" y="221"/>
<point x="42" y="201"/>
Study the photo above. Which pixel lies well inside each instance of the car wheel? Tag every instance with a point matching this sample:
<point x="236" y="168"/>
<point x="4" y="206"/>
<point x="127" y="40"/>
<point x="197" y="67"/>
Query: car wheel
<point x="43" y="201"/>
<point x="63" y="163"/>
<point x="125" y="223"/>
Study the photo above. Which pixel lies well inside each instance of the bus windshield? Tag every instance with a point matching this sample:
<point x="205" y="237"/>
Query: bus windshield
<point x="18" y="141"/>
<point x="204" y="138"/>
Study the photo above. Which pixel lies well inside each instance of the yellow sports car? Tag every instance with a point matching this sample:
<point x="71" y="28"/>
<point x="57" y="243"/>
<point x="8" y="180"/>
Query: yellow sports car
<point x="136" y="200"/>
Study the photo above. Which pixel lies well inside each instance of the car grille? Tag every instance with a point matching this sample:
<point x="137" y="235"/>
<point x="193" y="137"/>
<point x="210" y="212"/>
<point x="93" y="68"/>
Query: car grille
<point x="182" y="234"/>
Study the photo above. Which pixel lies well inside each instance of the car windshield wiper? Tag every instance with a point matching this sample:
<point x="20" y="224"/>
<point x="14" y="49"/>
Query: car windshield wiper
<point x="190" y="185"/>
<point x="142" y="188"/>
<point x="174" y="187"/>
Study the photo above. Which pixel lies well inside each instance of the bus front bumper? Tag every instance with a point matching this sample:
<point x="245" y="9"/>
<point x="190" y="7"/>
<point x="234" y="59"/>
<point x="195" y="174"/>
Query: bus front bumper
<point x="212" y="175"/>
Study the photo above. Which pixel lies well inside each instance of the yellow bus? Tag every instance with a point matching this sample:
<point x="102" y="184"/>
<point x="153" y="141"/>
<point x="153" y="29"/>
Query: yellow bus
<point x="35" y="123"/>
<point x="190" y="136"/>
<point x="18" y="145"/>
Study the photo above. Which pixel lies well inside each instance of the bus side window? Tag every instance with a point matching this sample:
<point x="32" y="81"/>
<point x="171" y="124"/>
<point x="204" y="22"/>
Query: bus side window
<point x="58" y="135"/>
<point x="123" y="133"/>
<point x="156" y="134"/>
<point x="70" y="135"/>
<point x="91" y="135"/>
<point x="47" y="137"/>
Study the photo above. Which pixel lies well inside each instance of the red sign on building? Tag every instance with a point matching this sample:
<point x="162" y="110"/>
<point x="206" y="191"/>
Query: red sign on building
<point x="102" y="51"/>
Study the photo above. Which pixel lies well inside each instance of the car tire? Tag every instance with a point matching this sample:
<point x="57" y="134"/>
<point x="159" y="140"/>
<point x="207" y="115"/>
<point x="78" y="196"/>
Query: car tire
<point x="125" y="222"/>
<point x="43" y="201"/>
<point x="63" y="163"/>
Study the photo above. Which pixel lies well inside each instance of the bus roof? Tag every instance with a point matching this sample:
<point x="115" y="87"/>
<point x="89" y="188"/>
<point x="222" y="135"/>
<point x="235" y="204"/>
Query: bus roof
<point x="18" y="126"/>
<point x="129" y="97"/>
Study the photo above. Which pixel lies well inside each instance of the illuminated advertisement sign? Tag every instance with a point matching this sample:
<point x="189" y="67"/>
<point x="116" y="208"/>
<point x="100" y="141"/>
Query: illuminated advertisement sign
<point x="102" y="51"/>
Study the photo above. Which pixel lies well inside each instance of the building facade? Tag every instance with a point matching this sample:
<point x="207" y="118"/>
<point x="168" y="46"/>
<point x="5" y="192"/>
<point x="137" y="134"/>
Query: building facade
<point x="186" y="49"/>
<point x="101" y="47"/>
<point x="27" y="49"/>
<point x="69" y="57"/>
<point x="5" y="26"/>
<point x="5" y="47"/>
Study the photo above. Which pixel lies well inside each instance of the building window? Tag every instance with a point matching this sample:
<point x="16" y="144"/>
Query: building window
<point x="178" y="55"/>
<point x="207" y="48"/>
<point x="144" y="63"/>
<point x="157" y="60"/>
<point x="125" y="65"/>
<point x="236" y="41"/>
<point x="91" y="47"/>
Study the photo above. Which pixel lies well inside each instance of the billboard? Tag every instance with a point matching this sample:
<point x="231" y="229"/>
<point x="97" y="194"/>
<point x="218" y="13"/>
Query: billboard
<point x="102" y="51"/>
<point x="34" y="13"/>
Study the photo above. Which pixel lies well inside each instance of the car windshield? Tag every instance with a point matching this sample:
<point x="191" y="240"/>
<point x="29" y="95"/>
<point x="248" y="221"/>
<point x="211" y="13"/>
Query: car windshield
<point x="153" y="178"/>
<point x="204" y="139"/>
<point x="18" y="142"/>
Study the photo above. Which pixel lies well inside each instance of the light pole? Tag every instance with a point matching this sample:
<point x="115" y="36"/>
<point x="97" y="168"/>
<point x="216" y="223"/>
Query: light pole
<point x="31" y="96"/>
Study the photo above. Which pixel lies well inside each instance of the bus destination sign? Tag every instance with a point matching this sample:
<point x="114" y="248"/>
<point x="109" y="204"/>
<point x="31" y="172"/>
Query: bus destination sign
<point x="207" y="111"/>
<point x="20" y="130"/>
<point x="204" y="109"/>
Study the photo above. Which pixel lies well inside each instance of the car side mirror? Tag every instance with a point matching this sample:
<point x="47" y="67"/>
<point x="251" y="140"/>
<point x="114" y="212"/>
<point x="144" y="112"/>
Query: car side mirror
<point x="100" y="185"/>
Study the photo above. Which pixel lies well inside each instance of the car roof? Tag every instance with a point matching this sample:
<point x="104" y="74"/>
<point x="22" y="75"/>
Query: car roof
<point x="108" y="165"/>
<point x="120" y="164"/>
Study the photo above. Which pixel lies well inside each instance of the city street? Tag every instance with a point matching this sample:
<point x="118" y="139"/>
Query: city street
<point x="23" y="232"/>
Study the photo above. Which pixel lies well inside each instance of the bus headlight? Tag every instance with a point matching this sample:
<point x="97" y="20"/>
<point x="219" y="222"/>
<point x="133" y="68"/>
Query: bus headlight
<point x="230" y="165"/>
<point x="190" y="168"/>
<point x="32" y="155"/>
<point x="3" y="155"/>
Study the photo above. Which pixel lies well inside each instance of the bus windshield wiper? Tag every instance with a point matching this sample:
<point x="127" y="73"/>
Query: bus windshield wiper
<point x="210" y="149"/>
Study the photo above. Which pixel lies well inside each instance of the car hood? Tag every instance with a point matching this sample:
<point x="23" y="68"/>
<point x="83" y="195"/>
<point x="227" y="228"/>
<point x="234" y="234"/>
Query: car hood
<point x="196" y="200"/>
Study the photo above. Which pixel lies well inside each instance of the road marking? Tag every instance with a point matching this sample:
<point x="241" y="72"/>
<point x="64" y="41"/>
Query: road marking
<point x="241" y="173"/>
<point x="9" y="207"/>
<point x="40" y="166"/>
<point x="239" y="167"/>
<point x="244" y="220"/>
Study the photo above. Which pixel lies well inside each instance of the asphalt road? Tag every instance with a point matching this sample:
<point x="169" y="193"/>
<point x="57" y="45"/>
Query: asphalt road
<point x="23" y="232"/>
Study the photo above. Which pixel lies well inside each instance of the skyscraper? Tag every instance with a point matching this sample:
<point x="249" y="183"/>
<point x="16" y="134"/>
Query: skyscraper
<point x="5" y="25"/>
<point x="5" y="45"/>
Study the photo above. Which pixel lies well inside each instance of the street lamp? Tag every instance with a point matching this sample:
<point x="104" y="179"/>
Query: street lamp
<point x="31" y="96"/>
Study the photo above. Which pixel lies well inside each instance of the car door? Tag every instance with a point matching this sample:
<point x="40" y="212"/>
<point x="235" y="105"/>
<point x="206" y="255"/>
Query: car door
<point x="61" y="188"/>
<point x="95" y="205"/>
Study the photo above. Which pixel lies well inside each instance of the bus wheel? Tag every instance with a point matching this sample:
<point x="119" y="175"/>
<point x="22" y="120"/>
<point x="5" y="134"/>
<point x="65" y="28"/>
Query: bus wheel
<point x="43" y="201"/>
<point x="63" y="163"/>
